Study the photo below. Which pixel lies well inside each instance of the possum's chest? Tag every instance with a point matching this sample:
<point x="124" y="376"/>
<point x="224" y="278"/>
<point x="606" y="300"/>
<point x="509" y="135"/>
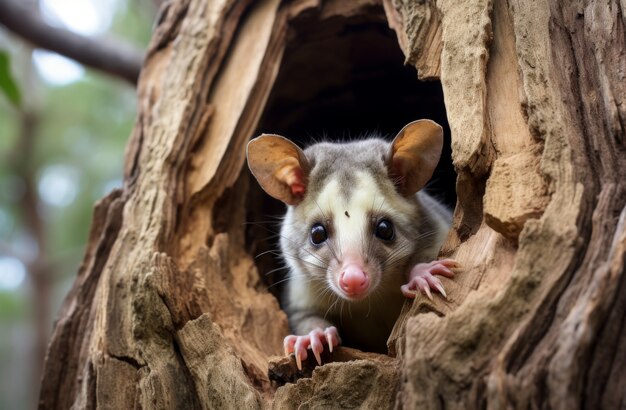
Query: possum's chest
<point x="368" y="324"/>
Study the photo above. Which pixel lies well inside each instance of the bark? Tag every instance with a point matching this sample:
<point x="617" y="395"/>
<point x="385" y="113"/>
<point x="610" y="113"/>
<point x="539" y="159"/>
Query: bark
<point x="169" y="309"/>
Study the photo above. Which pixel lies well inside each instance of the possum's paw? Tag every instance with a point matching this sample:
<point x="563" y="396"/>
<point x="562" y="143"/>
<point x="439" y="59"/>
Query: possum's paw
<point x="314" y="340"/>
<point x="423" y="277"/>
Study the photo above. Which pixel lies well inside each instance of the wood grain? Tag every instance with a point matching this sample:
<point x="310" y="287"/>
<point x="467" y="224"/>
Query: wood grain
<point x="169" y="310"/>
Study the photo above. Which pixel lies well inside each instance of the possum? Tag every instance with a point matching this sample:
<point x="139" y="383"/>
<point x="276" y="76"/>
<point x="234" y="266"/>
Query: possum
<point x="358" y="236"/>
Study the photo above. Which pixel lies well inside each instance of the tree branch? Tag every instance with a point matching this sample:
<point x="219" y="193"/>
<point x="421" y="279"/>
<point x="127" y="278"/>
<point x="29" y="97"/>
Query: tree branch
<point x="105" y="55"/>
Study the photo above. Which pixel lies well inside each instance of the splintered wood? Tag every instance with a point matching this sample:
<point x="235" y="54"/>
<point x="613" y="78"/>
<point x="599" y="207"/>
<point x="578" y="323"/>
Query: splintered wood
<point x="168" y="309"/>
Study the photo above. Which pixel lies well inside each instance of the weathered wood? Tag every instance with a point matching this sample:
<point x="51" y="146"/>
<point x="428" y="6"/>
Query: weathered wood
<point x="532" y="334"/>
<point x="169" y="310"/>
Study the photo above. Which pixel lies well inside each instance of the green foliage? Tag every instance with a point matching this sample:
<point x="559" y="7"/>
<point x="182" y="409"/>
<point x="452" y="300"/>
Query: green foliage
<point x="7" y="82"/>
<point x="12" y="307"/>
<point x="133" y="19"/>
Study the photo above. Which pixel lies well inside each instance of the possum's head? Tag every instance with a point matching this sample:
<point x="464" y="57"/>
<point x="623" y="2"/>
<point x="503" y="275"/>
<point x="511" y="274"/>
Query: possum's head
<point x="352" y="219"/>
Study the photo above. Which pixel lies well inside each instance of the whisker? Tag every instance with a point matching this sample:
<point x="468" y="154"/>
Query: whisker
<point x="307" y="280"/>
<point x="395" y="256"/>
<point x="330" y="308"/>
<point x="276" y="270"/>
<point x="261" y="223"/>
<point x="304" y="249"/>
<point x="271" y="251"/>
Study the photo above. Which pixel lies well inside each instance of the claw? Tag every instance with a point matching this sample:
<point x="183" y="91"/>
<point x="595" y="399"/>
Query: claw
<point x="329" y="339"/>
<point x="440" y="289"/>
<point x="314" y="340"/>
<point x="422" y="277"/>
<point x="427" y="290"/>
<point x="318" y="358"/>
<point x="316" y="344"/>
<point x="332" y="337"/>
<point x="441" y="269"/>
<point x="298" y="361"/>
<point x="300" y="350"/>
<point x="450" y="263"/>
<point x="289" y="343"/>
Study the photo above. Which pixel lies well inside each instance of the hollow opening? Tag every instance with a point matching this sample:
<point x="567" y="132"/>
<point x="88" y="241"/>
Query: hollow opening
<point x="341" y="78"/>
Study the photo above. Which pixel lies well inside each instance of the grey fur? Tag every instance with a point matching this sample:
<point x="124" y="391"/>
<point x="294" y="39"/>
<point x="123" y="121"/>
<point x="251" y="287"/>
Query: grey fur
<point x="367" y="323"/>
<point x="340" y="160"/>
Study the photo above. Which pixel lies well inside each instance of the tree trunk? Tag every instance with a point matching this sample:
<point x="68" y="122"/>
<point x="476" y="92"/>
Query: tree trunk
<point x="169" y="309"/>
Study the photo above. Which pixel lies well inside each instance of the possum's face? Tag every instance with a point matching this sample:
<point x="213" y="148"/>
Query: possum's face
<point x="353" y="218"/>
<point x="356" y="234"/>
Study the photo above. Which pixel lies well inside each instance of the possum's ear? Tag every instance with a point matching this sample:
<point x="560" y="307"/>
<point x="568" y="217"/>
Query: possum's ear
<point x="414" y="155"/>
<point x="280" y="167"/>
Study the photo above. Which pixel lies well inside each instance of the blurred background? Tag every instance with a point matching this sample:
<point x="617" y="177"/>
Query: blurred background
<point x="63" y="129"/>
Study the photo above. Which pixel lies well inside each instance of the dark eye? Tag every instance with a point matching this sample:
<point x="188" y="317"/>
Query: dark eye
<point x="384" y="230"/>
<point x="318" y="234"/>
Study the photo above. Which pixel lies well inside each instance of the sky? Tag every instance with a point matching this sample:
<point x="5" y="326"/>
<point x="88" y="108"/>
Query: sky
<point x="86" y="17"/>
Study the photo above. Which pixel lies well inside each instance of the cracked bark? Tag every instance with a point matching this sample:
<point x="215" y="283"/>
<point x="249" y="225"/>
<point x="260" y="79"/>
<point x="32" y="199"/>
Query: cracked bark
<point x="169" y="310"/>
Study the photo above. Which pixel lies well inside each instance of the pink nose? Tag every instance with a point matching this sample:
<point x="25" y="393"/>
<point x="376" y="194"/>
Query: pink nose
<point x="353" y="280"/>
